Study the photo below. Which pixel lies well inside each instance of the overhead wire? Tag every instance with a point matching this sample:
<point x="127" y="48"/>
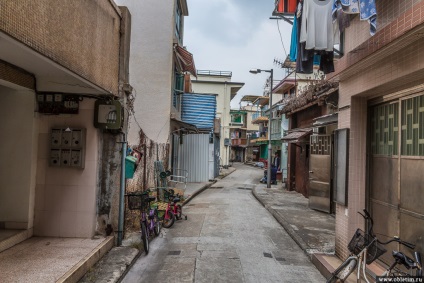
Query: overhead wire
<point x="281" y="38"/>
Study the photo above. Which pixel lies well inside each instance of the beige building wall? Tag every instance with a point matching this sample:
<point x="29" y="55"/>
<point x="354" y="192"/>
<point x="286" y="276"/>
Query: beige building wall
<point x="18" y="156"/>
<point x="62" y="46"/>
<point x="77" y="35"/>
<point x="151" y="68"/>
<point x="390" y="62"/>
<point x="249" y="125"/>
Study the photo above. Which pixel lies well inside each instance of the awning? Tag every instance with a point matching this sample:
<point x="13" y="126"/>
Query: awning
<point x="184" y="126"/>
<point x="296" y="135"/>
<point x="261" y="100"/>
<point x="185" y="60"/>
<point x="326" y="120"/>
<point x="260" y="119"/>
<point x="261" y="140"/>
<point x="249" y="98"/>
<point x="284" y="85"/>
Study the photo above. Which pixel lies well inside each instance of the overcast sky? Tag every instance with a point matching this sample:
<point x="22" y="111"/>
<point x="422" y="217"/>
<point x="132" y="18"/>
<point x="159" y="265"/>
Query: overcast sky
<point x="236" y="36"/>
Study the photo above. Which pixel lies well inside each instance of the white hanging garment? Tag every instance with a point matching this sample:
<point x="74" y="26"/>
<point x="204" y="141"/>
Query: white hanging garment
<point x="318" y="30"/>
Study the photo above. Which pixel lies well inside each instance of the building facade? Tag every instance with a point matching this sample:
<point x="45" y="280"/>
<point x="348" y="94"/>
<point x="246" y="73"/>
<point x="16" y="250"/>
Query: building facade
<point x="219" y="83"/>
<point x="52" y="178"/>
<point x="158" y="63"/>
<point x="241" y="130"/>
<point x="381" y="100"/>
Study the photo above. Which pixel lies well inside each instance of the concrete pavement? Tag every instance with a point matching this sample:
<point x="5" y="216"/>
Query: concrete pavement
<point x="67" y="261"/>
<point x="312" y="230"/>
<point x="119" y="259"/>
<point x="46" y="259"/>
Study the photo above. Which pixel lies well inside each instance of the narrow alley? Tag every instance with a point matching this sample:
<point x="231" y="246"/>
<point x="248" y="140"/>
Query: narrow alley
<point x="228" y="237"/>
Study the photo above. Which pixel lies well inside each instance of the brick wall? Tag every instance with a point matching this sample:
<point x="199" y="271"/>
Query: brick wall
<point x="82" y="36"/>
<point x="16" y="76"/>
<point x="391" y="61"/>
<point x="387" y="12"/>
<point x="395" y="19"/>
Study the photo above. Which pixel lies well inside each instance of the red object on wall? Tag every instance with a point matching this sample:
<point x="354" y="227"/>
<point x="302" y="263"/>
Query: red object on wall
<point x="286" y="6"/>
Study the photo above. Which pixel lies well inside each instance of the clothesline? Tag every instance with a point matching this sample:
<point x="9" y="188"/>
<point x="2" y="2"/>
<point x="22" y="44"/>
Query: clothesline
<point x="317" y="25"/>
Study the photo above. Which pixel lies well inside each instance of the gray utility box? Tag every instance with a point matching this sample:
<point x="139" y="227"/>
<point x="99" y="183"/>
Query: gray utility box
<point x="67" y="147"/>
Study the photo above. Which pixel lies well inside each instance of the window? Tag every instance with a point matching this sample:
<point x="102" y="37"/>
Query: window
<point x="384" y="137"/>
<point x="178" y="21"/>
<point x="292" y="92"/>
<point x="178" y="89"/>
<point x="412" y="121"/>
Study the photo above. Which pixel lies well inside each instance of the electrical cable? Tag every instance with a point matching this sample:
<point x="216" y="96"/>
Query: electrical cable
<point x="281" y="38"/>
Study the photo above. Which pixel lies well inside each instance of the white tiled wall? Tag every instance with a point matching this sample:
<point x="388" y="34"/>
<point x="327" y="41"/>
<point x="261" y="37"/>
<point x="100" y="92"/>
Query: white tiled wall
<point x="65" y="199"/>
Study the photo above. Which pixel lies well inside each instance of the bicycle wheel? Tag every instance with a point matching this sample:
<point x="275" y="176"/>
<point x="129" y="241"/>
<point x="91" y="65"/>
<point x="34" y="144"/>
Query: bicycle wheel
<point x="144" y="237"/>
<point x="157" y="224"/>
<point x="168" y="221"/>
<point x="179" y="210"/>
<point x="343" y="271"/>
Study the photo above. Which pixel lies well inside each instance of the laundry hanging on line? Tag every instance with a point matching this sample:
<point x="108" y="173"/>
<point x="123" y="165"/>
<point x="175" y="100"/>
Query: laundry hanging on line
<point x="313" y="37"/>
<point x="318" y="30"/>
<point x="365" y="8"/>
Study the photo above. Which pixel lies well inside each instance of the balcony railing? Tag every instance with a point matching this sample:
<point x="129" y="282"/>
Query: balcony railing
<point x="215" y="73"/>
<point x="239" y="141"/>
<point x="237" y="124"/>
<point x="259" y="135"/>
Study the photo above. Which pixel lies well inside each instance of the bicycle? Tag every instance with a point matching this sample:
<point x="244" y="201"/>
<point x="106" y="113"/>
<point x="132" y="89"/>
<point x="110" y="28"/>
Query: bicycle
<point x="365" y="248"/>
<point x="149" y="220"/>
<point x="174" y="200"/>
<point x="168" y="218"/>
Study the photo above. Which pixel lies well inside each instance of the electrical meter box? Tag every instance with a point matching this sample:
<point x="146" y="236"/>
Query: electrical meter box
<point x="108" y="114"/>
<point x="67" y="147"/>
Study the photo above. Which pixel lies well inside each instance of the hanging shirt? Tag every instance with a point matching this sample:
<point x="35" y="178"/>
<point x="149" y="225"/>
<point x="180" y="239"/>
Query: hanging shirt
<point x="318" y="30"/>
<point x="365" y="8"/>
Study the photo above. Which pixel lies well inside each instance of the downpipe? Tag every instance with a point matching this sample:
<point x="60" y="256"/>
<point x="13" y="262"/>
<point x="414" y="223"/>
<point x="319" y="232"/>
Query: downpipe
<point x="122" y="192"/>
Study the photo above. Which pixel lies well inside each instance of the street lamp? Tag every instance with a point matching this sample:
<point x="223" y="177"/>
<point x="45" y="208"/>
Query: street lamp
<point x="257" y="71"/>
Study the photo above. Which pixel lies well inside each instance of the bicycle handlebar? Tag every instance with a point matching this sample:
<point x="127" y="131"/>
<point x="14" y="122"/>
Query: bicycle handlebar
<point x="367" y="216"/>
<point x="396" y="239"/>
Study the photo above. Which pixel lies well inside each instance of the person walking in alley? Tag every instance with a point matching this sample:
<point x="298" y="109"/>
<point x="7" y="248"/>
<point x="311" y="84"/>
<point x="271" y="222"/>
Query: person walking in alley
<point x="275" y="166"/>
<point x="277" y="161"/>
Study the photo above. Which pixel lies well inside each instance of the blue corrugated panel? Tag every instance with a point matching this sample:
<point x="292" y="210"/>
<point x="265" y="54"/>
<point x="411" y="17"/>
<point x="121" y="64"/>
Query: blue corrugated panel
<point x="198" y="110"/>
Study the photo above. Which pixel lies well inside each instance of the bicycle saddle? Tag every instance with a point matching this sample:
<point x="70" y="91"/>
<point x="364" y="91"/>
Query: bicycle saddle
<point x="176" y="199"/>
<point x="152" y="198"/>
<point x="403" y="259"/>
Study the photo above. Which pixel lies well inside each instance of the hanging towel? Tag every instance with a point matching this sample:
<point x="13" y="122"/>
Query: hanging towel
<point x="294" y="40"/>
<point x="365" y="8"/>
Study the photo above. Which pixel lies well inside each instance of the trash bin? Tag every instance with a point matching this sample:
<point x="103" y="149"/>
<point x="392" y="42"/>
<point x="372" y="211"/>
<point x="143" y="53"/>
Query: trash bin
<point x="130" y="165"/>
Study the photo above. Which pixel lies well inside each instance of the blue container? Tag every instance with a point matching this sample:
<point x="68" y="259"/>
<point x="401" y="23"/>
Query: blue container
<point x="130" y="165"/>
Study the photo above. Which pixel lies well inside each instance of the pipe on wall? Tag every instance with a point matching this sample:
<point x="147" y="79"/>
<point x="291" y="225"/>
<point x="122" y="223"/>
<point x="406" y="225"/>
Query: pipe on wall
<point x="122" y="192"/>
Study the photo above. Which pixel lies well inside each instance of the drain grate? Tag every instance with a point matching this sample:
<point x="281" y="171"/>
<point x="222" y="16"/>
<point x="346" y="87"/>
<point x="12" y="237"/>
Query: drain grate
<point x="268" y="255"/>
<point x="280" y="259"/>
<point x="216" y="187"/>
<point x="245" y="188"/>
<point x="174" y="252"/>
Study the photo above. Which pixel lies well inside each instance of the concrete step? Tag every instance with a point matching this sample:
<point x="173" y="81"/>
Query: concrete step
<point x="9" y="238"/>
<point x="85" y="264"/>
<point x="326" y="264"/>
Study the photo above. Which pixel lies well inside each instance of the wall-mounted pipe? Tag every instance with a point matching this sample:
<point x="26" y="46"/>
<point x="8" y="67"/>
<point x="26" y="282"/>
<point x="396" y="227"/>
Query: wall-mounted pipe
<point x="122" y="192"/>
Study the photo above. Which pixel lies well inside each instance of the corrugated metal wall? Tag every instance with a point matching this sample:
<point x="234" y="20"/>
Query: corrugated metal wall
<point x="198" y="110"/>
<point x="193" y="156"/>
<point x="217" y="154"/>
